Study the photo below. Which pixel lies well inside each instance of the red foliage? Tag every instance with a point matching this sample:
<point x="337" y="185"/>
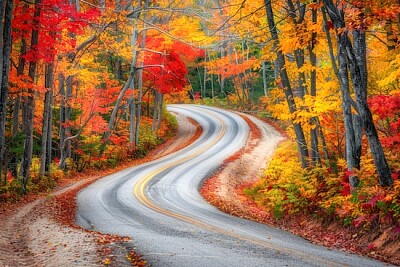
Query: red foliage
<point x="345" y="189"/>
<point x="187" y="52"/>
<point x="387" y="109"/>
<point x="55" y="16"/>
<point x="166" y="70"/>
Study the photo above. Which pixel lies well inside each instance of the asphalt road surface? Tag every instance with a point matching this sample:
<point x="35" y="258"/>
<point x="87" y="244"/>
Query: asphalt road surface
<point x="158" y="205"/>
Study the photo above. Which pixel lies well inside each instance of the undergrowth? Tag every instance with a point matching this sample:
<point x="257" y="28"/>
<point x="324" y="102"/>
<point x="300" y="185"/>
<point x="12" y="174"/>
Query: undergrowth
<point x="86" y="157"/>
<point x="286" y="188"/>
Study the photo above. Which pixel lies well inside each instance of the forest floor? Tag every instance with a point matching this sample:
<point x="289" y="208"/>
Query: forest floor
<point x="40" y="230"/>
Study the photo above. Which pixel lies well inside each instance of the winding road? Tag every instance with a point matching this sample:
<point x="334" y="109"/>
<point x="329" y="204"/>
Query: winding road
<point x="158" y="205"/>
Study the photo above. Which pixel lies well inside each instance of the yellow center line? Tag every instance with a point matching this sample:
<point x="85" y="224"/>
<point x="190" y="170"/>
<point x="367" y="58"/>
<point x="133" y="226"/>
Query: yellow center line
<point x="140" y="188"/>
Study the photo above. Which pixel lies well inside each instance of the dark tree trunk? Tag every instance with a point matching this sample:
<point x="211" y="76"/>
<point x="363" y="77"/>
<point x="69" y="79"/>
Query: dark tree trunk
<point x="353" y="160"/>
<point x="118" y="69"/>
<point x="298" y="18"/>
<point x="353" y="152"/>
<point x="49" y="77"/>
<point x="155" y="111"/>
<point x="132" y="116"/>
<point x="315" y="158"/>
<point x="5" y="68"/>
<point x="68" y="113"/>
<point x="61" y="85"/>
<point x="280" y="62"/>
<point x="28" y="107"/>
<point x="65" y="117"/>
<point x="160" y="108"/>
<point x="358" y="66"/>
<point x="2" y="10"/>
<point x="140" y="84"/>
<point x="356" y="60"/>
<point x="13" y="164"/>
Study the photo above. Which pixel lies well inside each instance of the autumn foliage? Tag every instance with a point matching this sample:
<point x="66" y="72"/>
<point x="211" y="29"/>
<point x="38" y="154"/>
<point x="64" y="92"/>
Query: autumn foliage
<point x="86" y="87"/>
<point x="88" y="82"/>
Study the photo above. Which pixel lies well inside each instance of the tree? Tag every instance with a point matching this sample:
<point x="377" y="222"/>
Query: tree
<point x="29" y="102"/>
<point x="355" y="58"/>
<point x="6" y="8"/>
<point x="286" y="86"/>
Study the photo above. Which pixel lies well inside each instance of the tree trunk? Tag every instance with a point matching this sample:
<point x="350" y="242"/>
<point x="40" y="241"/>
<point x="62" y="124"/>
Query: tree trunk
<point x="133" y="69"/>
<point x="68" y="113"/>
<point x="353" y="160"/>
<point x="132" y="116"/>
<point x="49" y="136"/>
<point x="46" y="117"/>
<point x="264" y="74"/>
<point x="352" y="150"/>
<point x="61" y="90"/>
<point x="323" y="142"/>
<point x="13" y="164"/>
<point x="359" y="77"/>
<point x="139" y="105"/>
<point x="301" y="81"/>
<point x="118" y="69"/>
<point x="2" y="11"/>
<point x="315" y="158"/>
<point x="155" y="111"/>
<point x="5" y="68"/>
<point x="140" y="81"/>
<point x="356" y="60"/>
<point x="221" y="78"/>
<point x="65" y="117"/>
<point x="280" y="63"/>
<point x="28" y="107"/>
<point x="160" y="108"/>
<point x="298" y="53"/>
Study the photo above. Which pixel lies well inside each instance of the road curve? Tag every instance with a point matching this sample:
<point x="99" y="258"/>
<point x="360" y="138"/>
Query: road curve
<point x="159" y="206"/>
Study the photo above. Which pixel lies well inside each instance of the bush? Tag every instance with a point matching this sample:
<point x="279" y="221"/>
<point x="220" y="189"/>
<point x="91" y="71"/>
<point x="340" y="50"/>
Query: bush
<point x="286" y="188"/>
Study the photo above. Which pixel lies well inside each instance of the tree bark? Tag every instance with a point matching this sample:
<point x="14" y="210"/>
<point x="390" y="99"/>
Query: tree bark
<point x="5" y="68"/>
<point x="359" y="77"/>
<point x="133" y="69"/>
<point x="353" y="159"/>
<point x="132" y="116"/>
<point x="46" y="117"/>
<point x="356" y="60"/>
<point x="155" y="111"/>
<point x="61" y="85"/>
<point x="28" y="106"/>
<point x="160" y="108"/>
<point x="2" y="11"/>
<point x="140" y="80"/>
<point x="264" y="74"/>
<point x="70" y="138"/>
<point x="315" y="158"/>
<point x="280" y="63"/>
